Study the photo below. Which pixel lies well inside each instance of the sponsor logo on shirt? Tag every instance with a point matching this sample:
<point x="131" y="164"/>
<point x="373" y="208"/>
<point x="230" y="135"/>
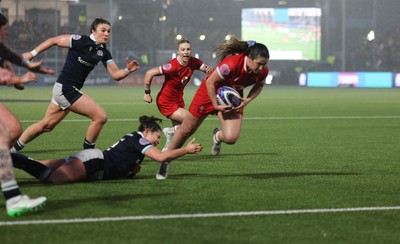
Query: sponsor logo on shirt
<point x="80" y="60"/>
<point x="100" y="53"/>
<point x="185" y="80"/>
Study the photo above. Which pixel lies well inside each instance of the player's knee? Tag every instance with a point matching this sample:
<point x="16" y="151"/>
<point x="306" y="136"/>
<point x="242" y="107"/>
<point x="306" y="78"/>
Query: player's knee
<point x="230" y="140"/>
<point x="14" y="132"/>
<point x="101" y="118"/>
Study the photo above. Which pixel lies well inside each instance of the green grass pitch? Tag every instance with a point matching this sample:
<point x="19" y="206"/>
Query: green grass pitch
<point x="300" y="149"/>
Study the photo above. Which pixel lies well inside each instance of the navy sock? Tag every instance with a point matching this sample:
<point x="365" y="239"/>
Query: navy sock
<point x="10" y="189"/>
<point x="32" y="167"/>
<point x="88" y="145"/>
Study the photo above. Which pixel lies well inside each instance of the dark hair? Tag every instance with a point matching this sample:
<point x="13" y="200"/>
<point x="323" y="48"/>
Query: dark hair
<point x="151" y="123"/>
<point x="97" y="22"/>
<point x="182" y="40"/>
<point x="3" y="20"/>
<point x="249" y="48"/>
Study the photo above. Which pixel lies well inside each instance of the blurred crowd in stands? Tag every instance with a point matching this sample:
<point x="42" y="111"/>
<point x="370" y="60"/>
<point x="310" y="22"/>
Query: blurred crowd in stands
<point x="23" y="35"/>
<point x="382" y="54"/>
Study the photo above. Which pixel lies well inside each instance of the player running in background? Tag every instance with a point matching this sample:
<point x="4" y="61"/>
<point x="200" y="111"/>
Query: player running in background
<point x="121" y="160"/>
<point x="15" y="79"/>
<point x="242" y="64"/>
<point x="10" y="129"/>
<point x="177" y="73"/>
<point x="83" y="55"/>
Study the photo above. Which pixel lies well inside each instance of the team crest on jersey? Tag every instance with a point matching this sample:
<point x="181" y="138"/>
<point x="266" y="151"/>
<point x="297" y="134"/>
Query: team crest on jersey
<point x="76" y="37"/>
<point x="167" y="66"/>
<point x="143" y="141"/>
<point x="184" y="80"/>
<point x="100" y="53"/>
<point x="224" y="69"/>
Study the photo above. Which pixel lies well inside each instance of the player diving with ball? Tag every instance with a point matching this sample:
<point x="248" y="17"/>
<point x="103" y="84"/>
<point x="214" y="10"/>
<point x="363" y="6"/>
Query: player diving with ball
<point x="242" y="64"/>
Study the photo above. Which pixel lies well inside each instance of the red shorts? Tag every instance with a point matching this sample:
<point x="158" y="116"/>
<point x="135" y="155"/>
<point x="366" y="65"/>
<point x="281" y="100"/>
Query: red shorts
<point x="200" y="107"/>
<point x="168" y="106"/>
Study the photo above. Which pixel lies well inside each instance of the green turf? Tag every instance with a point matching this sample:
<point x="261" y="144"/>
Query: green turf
<point x="300" y="148"/>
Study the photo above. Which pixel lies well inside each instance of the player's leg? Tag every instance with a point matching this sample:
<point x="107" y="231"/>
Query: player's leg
<point x="16" y="203"/>
<point x="88" y="107"/>
<point x="78" y="167"/>
<point x="35" y="168"/>
<point x="11" y="122"/>
<point x="176" y="119"/>
<point x="185" y="130"/>
<point x="231" y="124"/>
<point x="72" y="170"/>
<point x="53" y="116"/>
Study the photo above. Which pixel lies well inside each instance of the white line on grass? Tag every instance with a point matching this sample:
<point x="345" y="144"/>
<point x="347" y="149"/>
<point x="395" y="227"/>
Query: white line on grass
<point x="252" y="118"/>
<point x="200" y="215"/>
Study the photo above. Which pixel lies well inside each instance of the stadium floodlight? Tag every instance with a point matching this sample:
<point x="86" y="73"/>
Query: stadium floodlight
<point x="371" y="36"/>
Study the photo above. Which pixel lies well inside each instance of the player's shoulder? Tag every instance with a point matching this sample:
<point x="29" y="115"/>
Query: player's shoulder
<point x="193" y="61"/>
<point x="81" y="38"/>
<point x="139" y="138"/>
<point x="170" y="66"/>
<point x="234" y="59"/>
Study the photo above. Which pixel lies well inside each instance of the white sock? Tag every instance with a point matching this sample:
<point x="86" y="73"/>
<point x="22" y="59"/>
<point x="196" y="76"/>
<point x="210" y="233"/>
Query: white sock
<point x="216" y="140"/>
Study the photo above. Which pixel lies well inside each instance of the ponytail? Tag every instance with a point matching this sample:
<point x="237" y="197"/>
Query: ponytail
<point x="234" y="46"/>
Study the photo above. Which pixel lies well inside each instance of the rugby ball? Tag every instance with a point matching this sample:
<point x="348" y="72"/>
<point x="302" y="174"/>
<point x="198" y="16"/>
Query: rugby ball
<point x="228" y="96"/>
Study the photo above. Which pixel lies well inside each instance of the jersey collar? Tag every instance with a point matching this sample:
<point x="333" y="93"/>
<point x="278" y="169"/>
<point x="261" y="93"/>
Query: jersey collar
<point x="94" y="39"/>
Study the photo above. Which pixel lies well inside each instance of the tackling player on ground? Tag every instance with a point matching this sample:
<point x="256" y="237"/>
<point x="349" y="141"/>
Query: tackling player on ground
<point x="121" y="160"/>
<point x="242" y="64"/>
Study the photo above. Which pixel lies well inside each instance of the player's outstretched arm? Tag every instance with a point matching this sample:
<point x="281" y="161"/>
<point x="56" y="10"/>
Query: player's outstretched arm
<point x="38" y="67"/>
<point x="119" y="74"/>
<point x="191" y="148"/>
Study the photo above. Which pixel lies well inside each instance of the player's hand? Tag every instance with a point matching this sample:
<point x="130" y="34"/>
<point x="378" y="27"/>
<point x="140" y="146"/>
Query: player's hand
<point x="27" y="77"/>
<point x="193" y="148"/>
<point x="38" y="67"/>
<point x="27" y="56"/>
<point x="241" y="105"/>
<point x="5" y="76"/>
<point x="147" y="98"/>
<point x="132" y="65"/>
<point x="224" y="108"/>
<point x="208" y="69"/>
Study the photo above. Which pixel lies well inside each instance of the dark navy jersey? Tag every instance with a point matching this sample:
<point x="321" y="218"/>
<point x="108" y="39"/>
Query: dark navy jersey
<point x="124" y="155"/>
<point x="83" y="55"/>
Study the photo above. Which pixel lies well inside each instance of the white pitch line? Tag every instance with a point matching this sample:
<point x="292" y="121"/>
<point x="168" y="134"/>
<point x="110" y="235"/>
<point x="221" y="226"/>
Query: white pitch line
<point x="252" y="118"/>
<point x="200" y="215"/>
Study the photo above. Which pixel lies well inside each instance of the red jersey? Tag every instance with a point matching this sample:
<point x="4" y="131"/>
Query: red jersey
<point x="232" y="70"/>
<point x="170" y="97"/>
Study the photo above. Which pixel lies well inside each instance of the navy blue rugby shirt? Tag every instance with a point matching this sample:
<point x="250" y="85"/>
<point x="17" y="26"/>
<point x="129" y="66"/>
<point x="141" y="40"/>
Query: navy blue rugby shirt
<point x="83" y="55"/>
<point x="124" y="155"/>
